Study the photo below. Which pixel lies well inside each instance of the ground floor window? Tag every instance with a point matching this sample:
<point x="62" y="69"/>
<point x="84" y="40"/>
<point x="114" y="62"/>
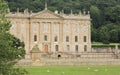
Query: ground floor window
<point x="67" y="48"/>
<point x="56" y="47"/>
<point x="85" y="48"/>
<point x="76" y="48"/>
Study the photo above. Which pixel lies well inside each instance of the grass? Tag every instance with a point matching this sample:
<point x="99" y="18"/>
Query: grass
<point x="73" y="70"/>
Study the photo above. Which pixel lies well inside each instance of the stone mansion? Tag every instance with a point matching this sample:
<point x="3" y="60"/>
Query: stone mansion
<point x="52" y="31"/>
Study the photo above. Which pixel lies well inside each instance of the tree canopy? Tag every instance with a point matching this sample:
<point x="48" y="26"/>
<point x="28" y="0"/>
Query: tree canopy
<point x="103" y="13"/>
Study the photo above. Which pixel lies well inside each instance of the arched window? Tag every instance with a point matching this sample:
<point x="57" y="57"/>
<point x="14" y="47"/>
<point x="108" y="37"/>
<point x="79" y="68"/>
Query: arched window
<point x="35" y="38"/>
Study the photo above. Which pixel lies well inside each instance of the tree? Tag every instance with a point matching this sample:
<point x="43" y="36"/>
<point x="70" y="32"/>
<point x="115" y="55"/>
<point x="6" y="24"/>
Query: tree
<point x="11" y="49"/>
<point x="104" y="35"/>
<point x="96" y="16"/>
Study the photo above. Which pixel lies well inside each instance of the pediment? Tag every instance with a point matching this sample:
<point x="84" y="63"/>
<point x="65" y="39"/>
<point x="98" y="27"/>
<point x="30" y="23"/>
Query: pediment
<point x="46" y="14"/>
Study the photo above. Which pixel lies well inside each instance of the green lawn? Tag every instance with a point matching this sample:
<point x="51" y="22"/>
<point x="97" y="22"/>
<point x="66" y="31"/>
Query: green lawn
<point x="74" y="70"/>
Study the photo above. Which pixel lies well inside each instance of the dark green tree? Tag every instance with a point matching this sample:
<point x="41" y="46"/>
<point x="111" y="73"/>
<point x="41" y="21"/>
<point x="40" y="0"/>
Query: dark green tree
<point x="104" y="35"/>
<point x="11" y="49"/>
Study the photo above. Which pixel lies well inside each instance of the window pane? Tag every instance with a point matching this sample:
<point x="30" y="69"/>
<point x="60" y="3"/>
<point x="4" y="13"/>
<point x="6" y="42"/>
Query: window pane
<point x="67" y="48"/>
<point x="67" y="38"/>
<point x="76" y="38"/>
<point x="56" y="28"/>
<point x="45" y="37"/>
<point x="85" y="48"/>
<point x="85" y="40"/>
<point x="45" y="27"/>
<point x="56" y="47"/>
<point x="35" y="37"/>
<point x="76" y="48"/>
<point x="55" y="38"/>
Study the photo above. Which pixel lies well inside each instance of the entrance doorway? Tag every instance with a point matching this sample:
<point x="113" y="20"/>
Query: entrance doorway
<point x="46" y="48"/>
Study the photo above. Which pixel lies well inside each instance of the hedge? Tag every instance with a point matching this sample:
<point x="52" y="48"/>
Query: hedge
<point x="104" y="45"/>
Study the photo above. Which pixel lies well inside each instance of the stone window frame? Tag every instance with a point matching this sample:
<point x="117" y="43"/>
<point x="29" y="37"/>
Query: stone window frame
<point x="76" y="48"/>
<point x="45" y="38"/>
<point x="56" y="47"/>
<point x="67" y="38"/>
<point x="35" y="38"/>
<point x="55" y="38"/>
<point x="85" y="48"/>
<point x="67" y="48"/>
<point x="76" y="38"/>
<point x="85" y="38"/>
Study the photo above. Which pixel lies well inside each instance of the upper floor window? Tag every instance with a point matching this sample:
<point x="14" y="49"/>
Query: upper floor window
<point x="55" y="38"/>
<point x="35" y="38"/>
<point x="66" y="28"/>
<point x="45" y="38"/>
<point x="76" y="38"/>
<point x="45" y="27"/>
<point x="67" y="38"/>
<point x="85" y="38"/>
<point x="76" y="28"/>
<point x="35" y="27"/>
<point x="56" y="28"/>
<point x="22" y="28"/>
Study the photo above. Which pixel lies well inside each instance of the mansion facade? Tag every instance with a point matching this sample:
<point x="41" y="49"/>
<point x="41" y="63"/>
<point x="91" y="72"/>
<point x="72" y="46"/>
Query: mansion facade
<point x="52" y="31"/>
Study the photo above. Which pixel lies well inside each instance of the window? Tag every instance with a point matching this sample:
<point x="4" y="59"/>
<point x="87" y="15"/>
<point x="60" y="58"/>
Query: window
<point x="67" y="38"/>
<point x="85" y="48"/>
<point x="76" y="28"/>
<point x="85" y="39"/>
<point x="67" y="48"/>
<point x="35" y="28"/>
<point x="76" y="38"/>
<point x="35" y="38"/>
<point x="45" y="37"/>
<point x="45" y="27"/>
<point x="56" y="28"/>
<point x="66" y="28"/>
<point x="22" y="28"/>
<point x="55" y="38"/>
<point x="76" y="48"/>
<point x="56" y="47"/>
